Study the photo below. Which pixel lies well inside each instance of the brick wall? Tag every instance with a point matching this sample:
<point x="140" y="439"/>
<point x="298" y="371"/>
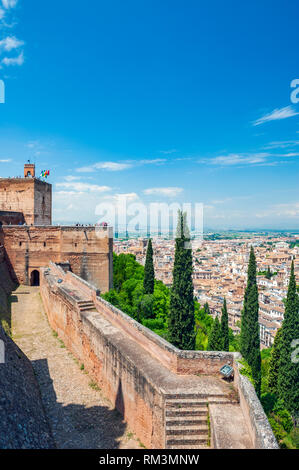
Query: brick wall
<point x="30" y="248"/>
<point x="114" y="347"/>
<point x="30" y="196"/>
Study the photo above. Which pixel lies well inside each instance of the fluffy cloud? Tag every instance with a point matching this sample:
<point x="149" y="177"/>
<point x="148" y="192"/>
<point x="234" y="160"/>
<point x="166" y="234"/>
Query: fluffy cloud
<point x="282" y="144"/>
<point x="9" y="3"/>
<point x="237" y="159"/>
<point x="120" y="166"/>
<point x="19" y="60"/>
<point x="83" y="187"/>
<point x="168" y="192"/>
<point x="281" y="210"/>
<point x="10" y="43"/>
<point x="109" y="166"/>
<point x="275" y="115"/>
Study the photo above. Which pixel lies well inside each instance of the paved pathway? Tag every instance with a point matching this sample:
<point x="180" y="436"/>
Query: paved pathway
<point x="79" y="415"/>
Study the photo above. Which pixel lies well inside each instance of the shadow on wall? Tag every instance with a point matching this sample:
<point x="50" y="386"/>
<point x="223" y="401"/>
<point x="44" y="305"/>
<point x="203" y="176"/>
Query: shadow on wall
<point x="5" y="311"/>
<point x="10" y="268"/>
<point x="75" y="426"/>
<point x="119" y="401"/>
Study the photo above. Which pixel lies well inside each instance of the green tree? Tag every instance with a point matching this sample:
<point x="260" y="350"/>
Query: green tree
<point x="224" y="328"/>
<point x="268" y="273"/>
<point x="250" y="337"/>
<point x="181" y="320"/>
<point x="288" y="376"/>
<point x="207" y="308"/>
<point x="149" y="272"/>
<point x="215" y="340"/>
<point x="274" y="363"/>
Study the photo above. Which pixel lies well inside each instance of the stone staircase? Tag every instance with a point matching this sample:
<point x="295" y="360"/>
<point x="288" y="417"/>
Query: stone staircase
<point x="86" y="305"/>
<point x="187" y="419"/>
<point x="186" y="422"/>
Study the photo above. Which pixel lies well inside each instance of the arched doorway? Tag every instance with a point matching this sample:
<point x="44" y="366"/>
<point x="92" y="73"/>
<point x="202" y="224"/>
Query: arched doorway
<point x="34" y="279"/>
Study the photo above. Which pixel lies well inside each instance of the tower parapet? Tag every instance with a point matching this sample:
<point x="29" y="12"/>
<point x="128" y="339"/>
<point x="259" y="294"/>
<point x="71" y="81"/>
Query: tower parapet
<point x="29" y="170"/>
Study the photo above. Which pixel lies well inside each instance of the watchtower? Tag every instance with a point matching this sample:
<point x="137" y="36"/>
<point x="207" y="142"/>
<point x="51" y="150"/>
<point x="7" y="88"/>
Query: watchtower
<point x="29" y="196"/>
<point x="29" y="170"/>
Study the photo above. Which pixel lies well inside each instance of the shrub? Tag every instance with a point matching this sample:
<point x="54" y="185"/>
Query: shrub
<point x="153" y="323"/>
<point x="268" y="401"/>
<point x="277" y="429"/>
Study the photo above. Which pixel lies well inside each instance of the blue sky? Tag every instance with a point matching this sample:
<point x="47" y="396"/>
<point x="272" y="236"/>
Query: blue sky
<point x="163" y="100"/>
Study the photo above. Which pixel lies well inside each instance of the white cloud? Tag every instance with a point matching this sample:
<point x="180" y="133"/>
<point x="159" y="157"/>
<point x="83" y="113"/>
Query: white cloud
<point x="290" y="154"/>
<point x="9" y="3"/>
<point x="109" y="166"/>
<point x="155" y="161"/>
<point x="19" y="60"/>
<point x="120" y="166"/>
<point x="237" y="159"/>
<point x="130" y="197"/>
<point x="277" y="114"/>
<point x="282" y="145"/>
<point x="169" y="192"/>
<point x="72" y="178"/>
<point x="83" y="187"/>
<point x="281" y="210"/>
<point x="10" y="43"/>
<point x="5" y="160"/>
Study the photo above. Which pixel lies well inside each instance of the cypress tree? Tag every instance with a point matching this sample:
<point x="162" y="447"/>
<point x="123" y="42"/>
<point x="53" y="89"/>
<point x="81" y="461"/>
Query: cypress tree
<point x="250" y="335"/>
<point x="181" y="320"/>
<point x="274" y="363"/>
<point x="224" y="328"/>
<point x="207" y="309"/>
<point x="288" y="375"/>
<point x="149" y="272"/>
<point x="268" y="273"/>
<point x="215" y="340"/>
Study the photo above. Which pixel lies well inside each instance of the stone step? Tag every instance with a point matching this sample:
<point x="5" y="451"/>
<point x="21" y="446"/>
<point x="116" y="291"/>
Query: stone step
<point x="195" y="411"/>
<point x="182" y="420"/>
<point x="189" y="403"/>
<point x="194" y="430"/>
<point x="176" y="443"/>
<point x="221" y="400"/>
<point x="187" y="446"/>
<point x="193" y="396"/>
<point x="176" y="396"/>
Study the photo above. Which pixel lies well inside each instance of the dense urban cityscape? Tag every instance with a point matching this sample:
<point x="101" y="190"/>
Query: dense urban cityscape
<point x="220" y="271"/>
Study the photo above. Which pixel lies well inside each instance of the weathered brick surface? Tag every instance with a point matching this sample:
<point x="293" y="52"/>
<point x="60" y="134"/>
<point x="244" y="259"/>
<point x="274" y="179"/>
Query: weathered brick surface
<point x="30" y="248"/>
<point x="137" y="370"/>
<point x="29" y="196"/>
<point x="105" y="354"/>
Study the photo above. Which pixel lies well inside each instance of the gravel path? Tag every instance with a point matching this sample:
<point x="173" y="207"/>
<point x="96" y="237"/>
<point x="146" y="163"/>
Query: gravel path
<point x="79" y="415"/>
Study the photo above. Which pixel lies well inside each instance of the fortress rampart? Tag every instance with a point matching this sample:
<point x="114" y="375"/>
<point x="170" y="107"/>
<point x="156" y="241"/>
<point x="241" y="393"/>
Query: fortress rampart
<point x="31" y="242"/>
<point x="142" y="374"/>
<point x="87" y="251"/>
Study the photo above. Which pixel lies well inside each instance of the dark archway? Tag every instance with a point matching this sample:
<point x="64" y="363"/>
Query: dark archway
<point x="34" y="279"/>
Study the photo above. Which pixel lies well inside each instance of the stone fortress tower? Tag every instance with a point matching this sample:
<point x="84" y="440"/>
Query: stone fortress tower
<point x="31" y="241"/>
<point x="29" y="198"/>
